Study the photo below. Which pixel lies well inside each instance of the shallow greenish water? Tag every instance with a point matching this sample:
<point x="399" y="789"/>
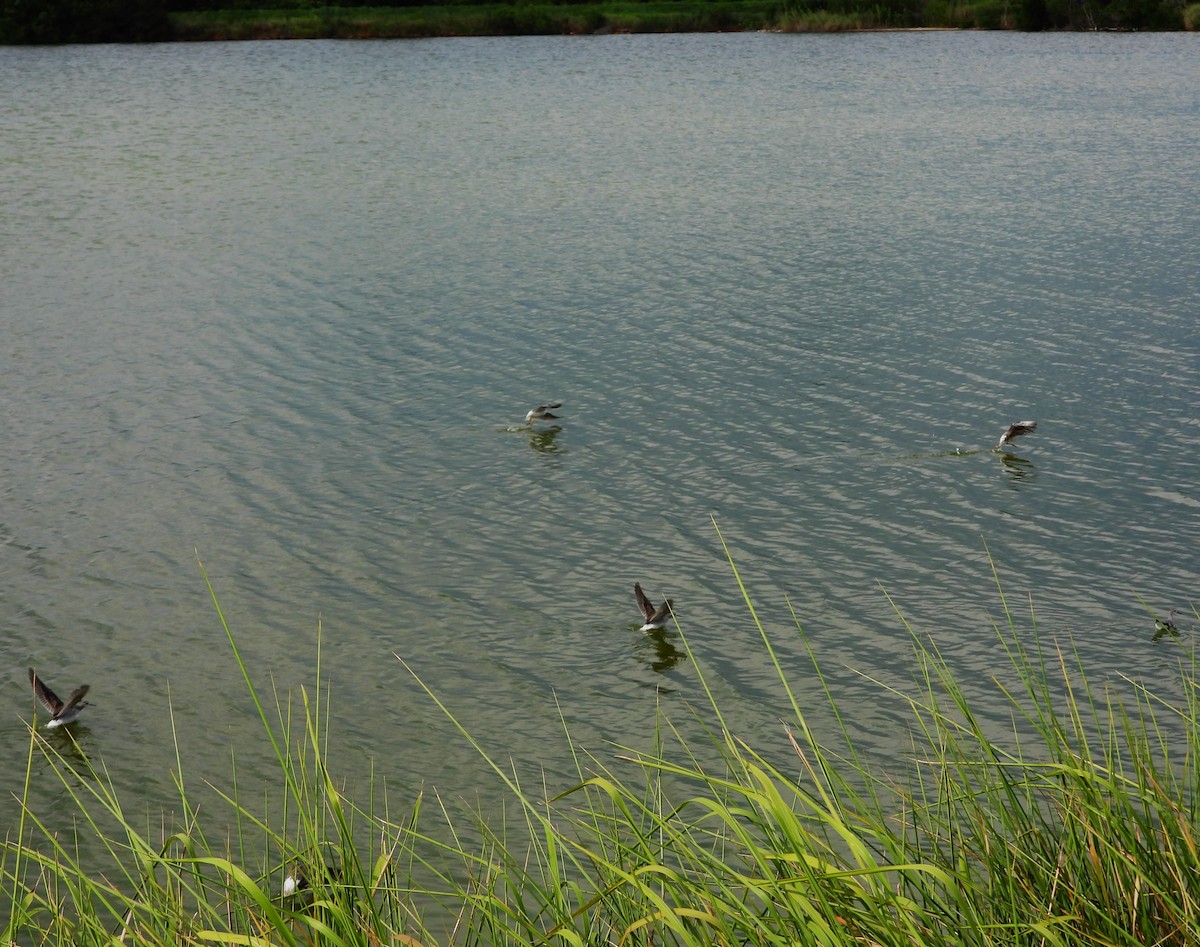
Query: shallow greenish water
<point x="285" y="305"/>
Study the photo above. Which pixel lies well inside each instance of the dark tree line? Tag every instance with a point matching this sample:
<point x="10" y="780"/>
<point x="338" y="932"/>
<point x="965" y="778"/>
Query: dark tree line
<point x="1101" y="15"/>
<point x="132" y="21"/>
<point x="83" y="21"/>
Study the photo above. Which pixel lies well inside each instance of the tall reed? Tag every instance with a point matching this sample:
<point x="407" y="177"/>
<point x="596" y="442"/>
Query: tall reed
<point x="1076" y="826"/>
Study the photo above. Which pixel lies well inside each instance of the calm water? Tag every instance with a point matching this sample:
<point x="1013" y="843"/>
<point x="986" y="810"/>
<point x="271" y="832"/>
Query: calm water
<point x="284" y="305"/>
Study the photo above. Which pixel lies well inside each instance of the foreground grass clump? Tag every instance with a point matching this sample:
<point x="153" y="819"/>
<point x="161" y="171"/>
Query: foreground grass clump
<point x="1081" y="831"/>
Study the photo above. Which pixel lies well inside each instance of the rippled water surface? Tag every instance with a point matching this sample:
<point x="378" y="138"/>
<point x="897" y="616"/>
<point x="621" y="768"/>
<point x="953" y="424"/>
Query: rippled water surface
<point x="283" y="306"/>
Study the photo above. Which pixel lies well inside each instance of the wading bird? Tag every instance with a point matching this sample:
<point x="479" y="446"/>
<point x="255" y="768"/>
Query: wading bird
<point x="655" y="617"/>
<point x="542" y="413"/>
<point x="302" y="877"/>
<point x="294" y="882"/>
<point x="60" y="713"/>
<point x="1166" y="626"/>
<point x="1015" y="430"/>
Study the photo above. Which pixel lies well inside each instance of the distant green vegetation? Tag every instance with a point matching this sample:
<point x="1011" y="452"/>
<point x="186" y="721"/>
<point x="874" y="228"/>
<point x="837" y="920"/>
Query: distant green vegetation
<point x="484" y="19"/>
<point x="1073" y="825"/>
<point x="78" y="21"/>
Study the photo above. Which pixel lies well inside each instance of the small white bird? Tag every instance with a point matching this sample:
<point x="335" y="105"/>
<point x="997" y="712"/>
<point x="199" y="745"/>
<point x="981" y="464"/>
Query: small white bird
<point x="1015" y="430"/>
<point x="655" y="617"/>
<point x="303" y="878"/>
<point x="60" y="713"/>
<point x="293" y="882"/>
<point x="542" y="413"/>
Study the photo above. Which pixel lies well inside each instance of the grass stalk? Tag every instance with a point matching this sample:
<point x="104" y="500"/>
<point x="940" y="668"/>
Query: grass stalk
<point x="1075" y="823"/>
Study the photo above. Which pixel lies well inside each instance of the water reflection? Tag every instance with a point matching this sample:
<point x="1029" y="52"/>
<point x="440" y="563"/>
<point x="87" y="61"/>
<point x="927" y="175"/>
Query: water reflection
<point x="1018" y="468"/>
<point x="287" y="419"/>
<point x="65" y="744"/>
<point x="542" y="440"/>
<point x="664" y="655"/>
<point x="1164" y="631"/>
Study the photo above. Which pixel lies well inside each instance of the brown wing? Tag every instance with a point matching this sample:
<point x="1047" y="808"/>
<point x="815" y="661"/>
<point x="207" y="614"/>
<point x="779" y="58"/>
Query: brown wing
<point x="76" y="696"/>
<point x="1016" y="430"/>
<point x="644" y="603"/>
<point x="43" y="693"/>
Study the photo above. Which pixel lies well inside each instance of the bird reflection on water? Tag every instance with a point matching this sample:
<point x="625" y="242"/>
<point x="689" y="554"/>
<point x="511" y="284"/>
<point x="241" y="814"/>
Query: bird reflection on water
<point x="664" y="655"/>
<point x="543" y="440"/>
<point x="1019" y="469"/>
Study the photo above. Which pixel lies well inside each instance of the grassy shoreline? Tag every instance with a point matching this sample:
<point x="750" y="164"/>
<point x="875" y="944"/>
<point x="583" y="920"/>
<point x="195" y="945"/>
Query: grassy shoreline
<point x="131" y="21"/>
<point x="626" y="16"/>
<point x="508" y="19"/>
<point x="485" y="19"/>
<point x="1081" y="831"/>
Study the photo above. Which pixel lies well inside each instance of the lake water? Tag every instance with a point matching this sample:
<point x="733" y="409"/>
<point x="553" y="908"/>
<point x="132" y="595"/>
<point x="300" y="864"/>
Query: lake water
<point x="283" y="306"/>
